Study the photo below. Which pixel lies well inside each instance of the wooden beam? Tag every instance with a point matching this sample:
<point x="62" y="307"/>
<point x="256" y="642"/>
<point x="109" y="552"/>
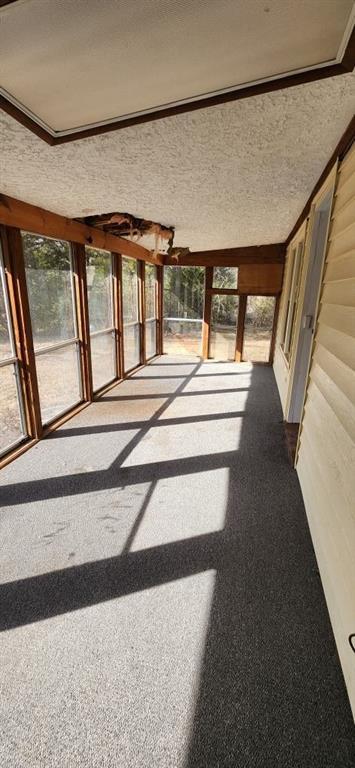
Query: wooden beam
<point x="206" y="325"/>
<point x="342" y="147"/>
<point x="15" y="213"/>
<point x="273" y="253"/>
<point x="20" y="309"/>
<point x="82" y="309"/>
<point x="240" y="328"/>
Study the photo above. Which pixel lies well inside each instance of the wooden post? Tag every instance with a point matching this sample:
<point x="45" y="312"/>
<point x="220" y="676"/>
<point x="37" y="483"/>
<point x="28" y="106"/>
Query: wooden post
<point x="82" y="312"/>
<point x="240" y="327"/>
<point x="20" y="310"/>
<point x="206" y="326"/>
<point x="141" y="283"/>
<point x="160" y="310"/>
<point x="116" y="311"/>
<point x="120" y="316"/>
<point x="274" y="330"/>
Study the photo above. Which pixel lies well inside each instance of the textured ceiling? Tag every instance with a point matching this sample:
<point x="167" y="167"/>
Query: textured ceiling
<point x="233" y="175"/>
<point x="77" y="62"/>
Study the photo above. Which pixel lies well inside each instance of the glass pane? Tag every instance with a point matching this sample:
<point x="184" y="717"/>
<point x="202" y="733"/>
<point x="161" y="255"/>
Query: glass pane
<point x="49" y="283"/>
<point x="6" y="348"/>
<point x="103" y="359"/>
<point x="183" y="309"/>
<point x="223" y="335"/>
<point x="99" y="282"/>
<point x="150" y="283"/>
<point x="10" y="417"/>
<point x="130" y="290"/>
<point x="259" y="320"/>
<point x="225" y="277"/>
<point x="58" y="381"/>
<point x="150" y="338"/>
<point x="131" y="346"/>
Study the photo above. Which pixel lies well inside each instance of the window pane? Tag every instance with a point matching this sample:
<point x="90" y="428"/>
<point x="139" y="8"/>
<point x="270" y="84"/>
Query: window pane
<point x="150" y="283"/>
<point x="150" y="338"/>
<point x="103" y="359"/>
<point x="259" y="320"/>
<point x="130" y="290"/>
<point x="223" y="336"/>
<point x="183" y="309"/>
<point x="131" y="346"/>
<point x="10" y="416"/>
<point x="6" y="348"/>
<point x="99" y="282"/>
<point x="58" y="381"/>
<point x="225" y="277"/>
<point x="49" y="283"/>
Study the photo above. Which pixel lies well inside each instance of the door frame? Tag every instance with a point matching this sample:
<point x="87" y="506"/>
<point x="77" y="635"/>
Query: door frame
<point x="309" y="302"/>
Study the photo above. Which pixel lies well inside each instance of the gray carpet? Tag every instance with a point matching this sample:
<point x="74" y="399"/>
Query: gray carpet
<point x="160" y="600"/>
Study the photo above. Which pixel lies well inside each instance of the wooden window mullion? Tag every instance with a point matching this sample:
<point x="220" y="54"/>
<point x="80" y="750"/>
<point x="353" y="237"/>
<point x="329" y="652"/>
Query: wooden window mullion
<point x="20" y="310"/>
<point x="207" y="308"/>
<point x="160" y="309"/>
<point x="141" y="303"/>
<point x="82" y="313"/>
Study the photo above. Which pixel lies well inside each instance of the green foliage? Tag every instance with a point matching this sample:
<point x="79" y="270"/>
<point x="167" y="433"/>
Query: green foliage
<point x="184" y="292"/>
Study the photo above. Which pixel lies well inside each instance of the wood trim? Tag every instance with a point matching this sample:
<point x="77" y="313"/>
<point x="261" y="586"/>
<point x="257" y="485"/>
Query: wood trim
<point x="141" y="288"/>
<point x="206" y="325"/>
<point x="341" y="149"/>
<point x="160" y="310"/>
<point x="240" y="328"/>
<point x="223" y="291"/>
<point x="116" y="311"/>
<point x="271" y="253"/>
<point x="120" y="317"/>
<point x="82" y="311"/>
<point x="244" y="92"/>
<point x="16" y="213"/>
<point x="23" y="330"/>
<point x="274" y="330"/>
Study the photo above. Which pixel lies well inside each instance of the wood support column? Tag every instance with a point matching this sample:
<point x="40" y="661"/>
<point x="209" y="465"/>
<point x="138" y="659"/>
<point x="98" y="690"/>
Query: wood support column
<point x="206" y="325"/>
<point x="160" y="311"/>
<point x="240" y="327"/>
<point x="141" y="284"/>
<point x="82" y="311"/>
<point x="120" y="349"/>
<point x="274" y="329"/>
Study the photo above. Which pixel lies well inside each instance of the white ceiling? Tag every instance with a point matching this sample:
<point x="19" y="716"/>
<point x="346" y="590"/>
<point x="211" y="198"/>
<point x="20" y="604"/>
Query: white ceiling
<point x="233" y="175"/>
<point x="77" y="62"/>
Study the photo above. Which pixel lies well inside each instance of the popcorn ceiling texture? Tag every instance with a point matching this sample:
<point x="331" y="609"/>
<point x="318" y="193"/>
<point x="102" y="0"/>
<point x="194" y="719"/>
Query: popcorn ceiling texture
<point x="232" y="175"/>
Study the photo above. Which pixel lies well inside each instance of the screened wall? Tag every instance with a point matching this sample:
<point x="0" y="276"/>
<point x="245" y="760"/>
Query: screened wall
<point x="131" y="319"/>
<point x="99" y="279"/>
<point x="150" y="310"/>
<point x="12" y="423"/>
<point x="49" y="277"/>
<point x="183" y="309"/>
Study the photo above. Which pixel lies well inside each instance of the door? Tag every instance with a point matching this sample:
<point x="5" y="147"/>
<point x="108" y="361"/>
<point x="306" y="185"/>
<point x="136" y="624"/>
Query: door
<point x="310" y="306"/>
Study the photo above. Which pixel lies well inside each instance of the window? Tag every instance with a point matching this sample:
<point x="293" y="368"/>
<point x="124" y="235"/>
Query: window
<point x="131" y="324"/>
<point x="259" y="321"/>
<point x="294" y="287"/>
<point x="225" y="277"/>
<point x="150" y="310"/>
<point x="100" y="301"/>
<point x="49" y="276"/>
<point x="12" y="424"/>
<point x="183" y="309"/>
<point x="224" y="314"/>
